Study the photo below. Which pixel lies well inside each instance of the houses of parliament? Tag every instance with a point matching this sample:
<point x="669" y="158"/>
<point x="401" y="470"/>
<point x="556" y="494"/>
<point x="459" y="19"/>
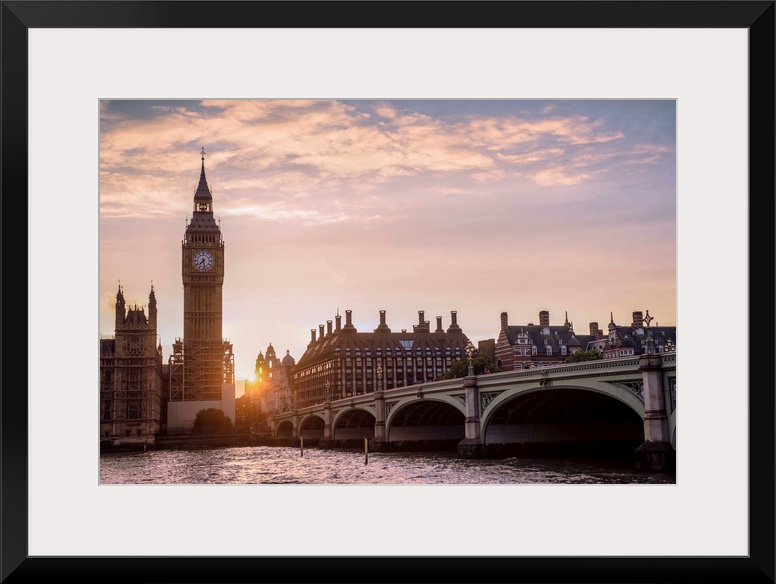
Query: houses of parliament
<point x="140" y="395"/>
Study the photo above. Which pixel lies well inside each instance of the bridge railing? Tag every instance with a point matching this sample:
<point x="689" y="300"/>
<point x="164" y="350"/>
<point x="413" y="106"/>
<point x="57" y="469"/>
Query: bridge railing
<point x="618" y="366"/>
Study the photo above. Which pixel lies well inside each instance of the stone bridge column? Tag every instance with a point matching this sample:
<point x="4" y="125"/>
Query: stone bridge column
<point x="471" y="445"/>
<point x="378" y="443"/>
<point x="327" y="442"/>
<point x="656" y="453"/>
<point x="295" y="426"/>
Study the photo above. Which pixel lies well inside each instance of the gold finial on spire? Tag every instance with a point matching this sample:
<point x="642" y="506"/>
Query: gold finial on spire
<point x="203" y="155"/>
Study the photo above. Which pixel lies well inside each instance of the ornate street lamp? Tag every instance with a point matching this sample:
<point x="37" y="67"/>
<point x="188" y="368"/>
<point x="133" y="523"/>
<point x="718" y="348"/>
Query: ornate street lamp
<point x="327" y="390"/>
<point x="649" y="342"/>
<point x="470" y="353"/>
<point x="379" y="377"/>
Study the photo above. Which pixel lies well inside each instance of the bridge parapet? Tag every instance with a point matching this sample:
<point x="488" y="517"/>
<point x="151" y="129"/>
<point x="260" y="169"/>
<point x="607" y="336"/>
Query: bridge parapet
<point x="623" y="365"/>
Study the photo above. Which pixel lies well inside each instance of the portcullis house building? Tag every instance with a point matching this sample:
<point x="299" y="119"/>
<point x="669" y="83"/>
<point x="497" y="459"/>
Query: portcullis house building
<point x="341" y="362"/>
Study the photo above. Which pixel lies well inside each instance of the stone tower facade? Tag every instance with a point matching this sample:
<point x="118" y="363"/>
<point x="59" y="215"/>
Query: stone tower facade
<point x="131" y="383"/>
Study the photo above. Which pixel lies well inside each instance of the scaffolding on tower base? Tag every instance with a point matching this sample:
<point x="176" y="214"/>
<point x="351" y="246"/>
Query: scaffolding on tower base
<point x="199" y="369"/>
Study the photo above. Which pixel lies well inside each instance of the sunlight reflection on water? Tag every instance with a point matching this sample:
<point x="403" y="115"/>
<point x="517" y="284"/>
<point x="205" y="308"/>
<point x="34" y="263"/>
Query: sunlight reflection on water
<point x="283" y="465"/>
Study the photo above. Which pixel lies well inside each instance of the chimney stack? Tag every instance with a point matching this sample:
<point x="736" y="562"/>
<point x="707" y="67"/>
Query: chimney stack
<point x="504" y="321"/>
<point x="439" y="328"/>
<point x="348" y="322"/>
<point x="544" y="318"/>
<point x="382" y="327"/>
<point x="338" y="318"/>
<point x="638" y="319"/>
<point x="320" y="332"/>
<point x="423" y="325"/>
<point x="453" y="328"/>
<point x="328" y="328"/>
<point x="595" y="332"/>
<point x="312" y="335"/>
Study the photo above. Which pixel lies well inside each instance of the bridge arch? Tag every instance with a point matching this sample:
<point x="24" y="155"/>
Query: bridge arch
<point x="611" y="390"/>
<point x="416" y="422"/>
<point x="352" y="424"/>
<point x="284" y="430"/>
<point x="587" y="412"/>
<point x="311" y="427"/>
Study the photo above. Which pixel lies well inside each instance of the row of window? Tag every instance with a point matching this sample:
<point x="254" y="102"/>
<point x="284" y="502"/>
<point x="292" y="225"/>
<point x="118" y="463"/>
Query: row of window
<point x="134" y="410"/>
<point x="127" y="432"/>
<point x="535" y="351"/>
<point x="406" y="351"/>
<point x="106" y="363"/>
<point x="203" y="238"/>
<point x="410" y="362"/>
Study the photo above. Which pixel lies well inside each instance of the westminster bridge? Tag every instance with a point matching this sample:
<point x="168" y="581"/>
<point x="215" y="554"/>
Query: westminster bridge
<point x="627" y="400"/>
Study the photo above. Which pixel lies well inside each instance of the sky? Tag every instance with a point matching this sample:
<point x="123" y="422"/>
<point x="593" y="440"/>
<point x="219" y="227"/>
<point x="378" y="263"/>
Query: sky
<point x="474" y="206"/>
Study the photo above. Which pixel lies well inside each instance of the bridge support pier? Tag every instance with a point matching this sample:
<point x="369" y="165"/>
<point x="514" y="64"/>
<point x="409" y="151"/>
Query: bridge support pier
<point x="379" y="442"/>
<point x="326" y="441"/>
<point x="656" y="453"/>
<point x="295" y="426"/>
<point x="471" y="445"/>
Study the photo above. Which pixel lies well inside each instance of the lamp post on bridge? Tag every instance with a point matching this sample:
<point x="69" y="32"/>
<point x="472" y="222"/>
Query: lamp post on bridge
<point x="470" y="354"/>
<point x="649" y="342"/>
<point x="471" y="445"/>
<point x="656" y="453"/>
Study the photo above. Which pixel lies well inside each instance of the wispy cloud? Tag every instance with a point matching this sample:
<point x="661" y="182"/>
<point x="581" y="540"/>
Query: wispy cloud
<point x="284" y="146"/>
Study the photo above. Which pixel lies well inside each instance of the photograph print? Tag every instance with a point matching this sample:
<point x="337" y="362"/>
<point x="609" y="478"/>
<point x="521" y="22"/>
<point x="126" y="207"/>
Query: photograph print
<point x="387" y="292"/>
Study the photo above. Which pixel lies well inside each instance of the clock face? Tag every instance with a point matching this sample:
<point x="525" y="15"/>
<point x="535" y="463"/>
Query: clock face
<point x="203" y="261"/>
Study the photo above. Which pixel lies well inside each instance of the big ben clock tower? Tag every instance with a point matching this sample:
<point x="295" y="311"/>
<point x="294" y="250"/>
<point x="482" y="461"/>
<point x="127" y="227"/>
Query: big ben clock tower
<point x="202" y="364"/>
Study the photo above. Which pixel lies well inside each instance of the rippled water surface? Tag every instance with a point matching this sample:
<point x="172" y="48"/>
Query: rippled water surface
<point x="283" y="465"/>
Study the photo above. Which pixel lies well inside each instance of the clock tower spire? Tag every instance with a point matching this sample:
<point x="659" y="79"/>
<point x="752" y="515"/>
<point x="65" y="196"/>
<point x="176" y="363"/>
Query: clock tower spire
<point x="203" y="198"/>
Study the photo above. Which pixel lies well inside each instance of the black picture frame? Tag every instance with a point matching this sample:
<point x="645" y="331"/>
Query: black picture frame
<point x="755" y="16"/>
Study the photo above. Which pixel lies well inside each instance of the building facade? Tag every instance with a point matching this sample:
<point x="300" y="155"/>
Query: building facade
<point x="341" y="362"/>
<point x="625" y="340"/>
<point x="202" y="363"/>
<point x="532" y="345"/>
<point x="131" y="376"/>
<point x="542" y="345"/>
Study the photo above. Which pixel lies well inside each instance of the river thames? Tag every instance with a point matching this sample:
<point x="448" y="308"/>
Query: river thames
<point x="286" y="465"/>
